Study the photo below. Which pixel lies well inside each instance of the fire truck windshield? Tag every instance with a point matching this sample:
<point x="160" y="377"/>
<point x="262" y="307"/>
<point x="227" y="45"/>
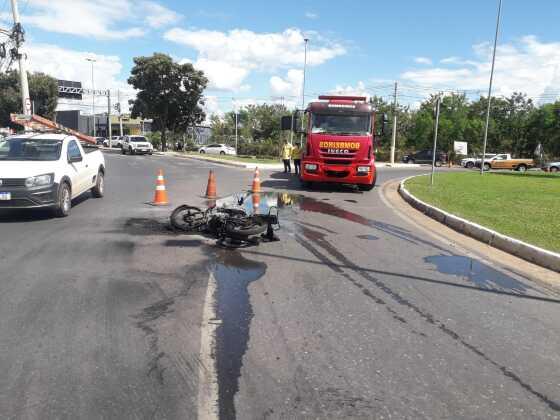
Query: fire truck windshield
<point x="341" y="124"/>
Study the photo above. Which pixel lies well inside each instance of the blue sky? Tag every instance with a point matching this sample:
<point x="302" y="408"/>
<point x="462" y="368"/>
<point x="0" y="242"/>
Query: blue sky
<point x="253" y="50"/>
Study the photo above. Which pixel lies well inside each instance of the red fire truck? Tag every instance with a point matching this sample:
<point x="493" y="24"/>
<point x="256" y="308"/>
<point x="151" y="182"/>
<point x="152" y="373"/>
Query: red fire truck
<point x="340" y="142"/>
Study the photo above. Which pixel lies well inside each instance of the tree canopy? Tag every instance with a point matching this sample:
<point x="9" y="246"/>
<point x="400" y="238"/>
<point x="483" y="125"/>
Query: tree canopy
<point x="43" y="91"/>
<point x="168" y="92"/>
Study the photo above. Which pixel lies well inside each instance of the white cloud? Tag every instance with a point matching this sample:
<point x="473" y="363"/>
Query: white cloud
<point x="348" y="90"/>
<point x="240" y="52"/>
<point x="223" y="75"/>
<point x="71" y="65"/>
<point x="311" y="15"/>
<point x="291" y="85"/>
<point x="158" y="15"/>
<point x="527" y="65"/>
<point x="101" y="19"/>
<point x="423" y="60"/>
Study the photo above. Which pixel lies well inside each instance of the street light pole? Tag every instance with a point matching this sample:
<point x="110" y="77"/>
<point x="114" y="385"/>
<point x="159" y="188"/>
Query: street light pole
<point x="303" y="91"/>
<point x="235" y="110"/>
<point x="91" y="60"/>
<point x="18" y="34"/>
<point x="490" y="87"/>
<point x="434" y="150"/>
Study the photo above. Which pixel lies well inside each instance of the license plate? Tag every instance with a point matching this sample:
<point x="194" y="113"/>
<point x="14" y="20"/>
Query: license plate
<point x="5" y="196"/>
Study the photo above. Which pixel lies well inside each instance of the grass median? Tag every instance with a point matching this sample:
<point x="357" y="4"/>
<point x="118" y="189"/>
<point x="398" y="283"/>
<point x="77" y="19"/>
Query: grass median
<point x="523" y="206"/>
<point x="244" y="159"/>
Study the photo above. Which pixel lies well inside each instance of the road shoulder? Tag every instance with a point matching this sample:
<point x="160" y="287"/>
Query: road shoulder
<point x="547" y="278"/>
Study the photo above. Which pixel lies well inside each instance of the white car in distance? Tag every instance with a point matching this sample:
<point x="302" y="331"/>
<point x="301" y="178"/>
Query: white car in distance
<point x="136" y="145"/>
<point x="217" y="149"/>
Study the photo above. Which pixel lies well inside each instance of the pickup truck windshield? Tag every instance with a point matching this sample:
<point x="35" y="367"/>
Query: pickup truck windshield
<point x="30" y="149"/>
<point x="341" y="124"/>
<point x="138" y="139"/>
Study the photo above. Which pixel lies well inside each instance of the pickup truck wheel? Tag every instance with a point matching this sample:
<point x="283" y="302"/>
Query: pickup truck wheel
<point x="522" y="168"/>
<point x="469" y="165"/>
<point x="410" y="160"/>
<point x="64" y="204"/>
<point x="99" y="190"/>
<point x="123" y="152"/>
<point x="131" y="151"/>
<point x="439" y="163"/>
<point x="553" y="169"/>
<point x="487" y="166"/>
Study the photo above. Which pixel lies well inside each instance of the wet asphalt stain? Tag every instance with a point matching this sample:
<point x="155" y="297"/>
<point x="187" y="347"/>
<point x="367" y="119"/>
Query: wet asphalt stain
<point x="351" y="201"/>
<point x="424" y="315"/>
<point x="368" y="237"/>
<point x="183" y="243"/>
<point x="233" y="273"/>
<point x="145" y="226"/>
<point x="475" y="272"/>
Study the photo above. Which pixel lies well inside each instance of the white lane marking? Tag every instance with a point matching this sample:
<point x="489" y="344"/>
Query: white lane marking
<point x="207" y="372"/>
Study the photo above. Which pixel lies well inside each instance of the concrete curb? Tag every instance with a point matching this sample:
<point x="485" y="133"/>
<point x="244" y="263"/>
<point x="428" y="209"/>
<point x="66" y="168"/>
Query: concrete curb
<point x="229" y="162"/>
<point x="531" y="253"/>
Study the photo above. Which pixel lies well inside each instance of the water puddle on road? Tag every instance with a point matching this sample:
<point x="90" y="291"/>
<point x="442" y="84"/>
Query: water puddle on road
<point x="476" y="272"/>
<point x="233" y="273"/>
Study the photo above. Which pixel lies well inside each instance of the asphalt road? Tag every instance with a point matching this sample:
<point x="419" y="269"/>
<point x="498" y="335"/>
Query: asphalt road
<point x="354" y="313"/>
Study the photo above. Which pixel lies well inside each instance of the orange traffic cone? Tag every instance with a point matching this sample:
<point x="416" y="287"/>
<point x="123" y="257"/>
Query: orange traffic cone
<point x="256" y="182"/>
<point x="160" y="197"/>
<point x="211" y="188"/>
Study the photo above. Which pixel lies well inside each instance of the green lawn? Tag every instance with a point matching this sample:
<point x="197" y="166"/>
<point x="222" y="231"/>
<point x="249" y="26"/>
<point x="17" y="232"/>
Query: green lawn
<point x="524" y="206"/>
<point x="245" y="159"/>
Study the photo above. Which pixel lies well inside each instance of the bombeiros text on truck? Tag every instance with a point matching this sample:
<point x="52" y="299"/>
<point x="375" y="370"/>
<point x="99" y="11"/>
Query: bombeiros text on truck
<point x="340" y="141"/>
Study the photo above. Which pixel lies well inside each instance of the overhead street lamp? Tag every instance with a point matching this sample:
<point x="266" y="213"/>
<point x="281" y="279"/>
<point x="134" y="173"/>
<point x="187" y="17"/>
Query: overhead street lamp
<point x="490" y="87"/>
<point x="303" y="91"/>
<point x="91" y="60"/>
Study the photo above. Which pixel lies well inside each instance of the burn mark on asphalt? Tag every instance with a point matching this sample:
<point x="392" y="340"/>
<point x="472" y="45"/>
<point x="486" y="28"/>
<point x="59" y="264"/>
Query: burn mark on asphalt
<point x="425" y="315"/>
<point x="476" y="272"/>
<point x="368" y="237"/>
<point x="145" y="226"/>
<point x="233" y="273"/>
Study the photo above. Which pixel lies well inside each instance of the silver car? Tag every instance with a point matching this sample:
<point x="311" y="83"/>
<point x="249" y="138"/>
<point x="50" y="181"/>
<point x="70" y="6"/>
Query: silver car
<point x="217" y="149"/>
<point x="552" y="167"/>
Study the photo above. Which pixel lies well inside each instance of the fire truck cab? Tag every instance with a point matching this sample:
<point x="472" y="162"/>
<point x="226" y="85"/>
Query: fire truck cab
<point x="340" y="142"/>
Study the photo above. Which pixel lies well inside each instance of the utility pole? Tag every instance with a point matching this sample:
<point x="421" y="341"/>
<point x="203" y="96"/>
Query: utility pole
<point x="236" y="123"/>
<point x="394" y="139"/>
<point x="490" y="87"/>
<point x="438" y="106"/>
<point x="303" y="92"/>
<point x="120" y="113"/>
<point x="109" y="126"/>
<point x="19" y="39"/>
<point x="91" y="60"/>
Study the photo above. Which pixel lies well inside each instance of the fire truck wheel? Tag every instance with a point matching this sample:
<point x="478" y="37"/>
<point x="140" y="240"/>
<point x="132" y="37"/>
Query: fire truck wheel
<point x="367" y="187"/>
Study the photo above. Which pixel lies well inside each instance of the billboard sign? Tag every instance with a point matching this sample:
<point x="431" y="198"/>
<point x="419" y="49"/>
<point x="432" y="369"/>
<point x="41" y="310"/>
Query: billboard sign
<point x="70" y="90"/>
<point x="461" y="148"/>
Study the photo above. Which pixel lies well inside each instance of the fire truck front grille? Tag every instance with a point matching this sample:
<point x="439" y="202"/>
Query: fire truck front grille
<point x="337" y="174"/>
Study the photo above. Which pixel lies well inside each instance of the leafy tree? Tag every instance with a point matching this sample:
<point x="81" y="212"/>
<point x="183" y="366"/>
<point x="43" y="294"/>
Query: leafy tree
<point x="43" y="91"/>
<point x="169" y="93"/>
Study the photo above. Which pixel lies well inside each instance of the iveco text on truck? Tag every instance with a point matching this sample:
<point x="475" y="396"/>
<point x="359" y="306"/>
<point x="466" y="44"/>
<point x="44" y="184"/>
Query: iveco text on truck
<point x="340" y="142"/>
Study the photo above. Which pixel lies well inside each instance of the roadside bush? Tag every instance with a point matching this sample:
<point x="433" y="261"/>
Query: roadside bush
<point x="266" y="149"/>
<point x="155" y="139"/>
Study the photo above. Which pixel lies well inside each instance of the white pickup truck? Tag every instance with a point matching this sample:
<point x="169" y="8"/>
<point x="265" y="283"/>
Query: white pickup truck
<point x="48" y="170"/>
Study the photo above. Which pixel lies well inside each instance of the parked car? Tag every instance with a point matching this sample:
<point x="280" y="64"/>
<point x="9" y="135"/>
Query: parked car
<point x="135" y="145"/>
<point x="552" y="167"/>
<point x="425" y="156"/>
<point x="471" y="162"/>
<point x="505" y="161"/>
<point x="116" y="141"/>
<point x="217" y="149"/>
<point x="100" y="140"/>
<point x="48" y="170"/>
